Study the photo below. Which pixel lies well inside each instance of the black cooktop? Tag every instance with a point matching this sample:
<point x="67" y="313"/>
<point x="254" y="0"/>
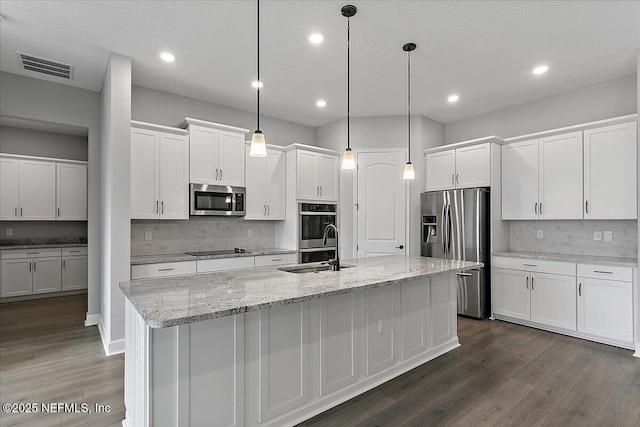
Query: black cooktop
<point x="222" y="252"/>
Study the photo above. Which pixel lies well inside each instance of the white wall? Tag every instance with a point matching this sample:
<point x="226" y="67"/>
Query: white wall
<point x="43" y="101"/>
<point x="600" y="101"/>
<point x="115" y="191"/>
<point x="29" y="142"/>
<point x="381" y="132"/>
<point x="148" y="105"/>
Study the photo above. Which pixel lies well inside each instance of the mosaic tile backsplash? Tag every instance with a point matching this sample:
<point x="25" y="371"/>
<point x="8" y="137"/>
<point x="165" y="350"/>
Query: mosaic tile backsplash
<point x="576" y="237"/>
<point x="204" y="234"/>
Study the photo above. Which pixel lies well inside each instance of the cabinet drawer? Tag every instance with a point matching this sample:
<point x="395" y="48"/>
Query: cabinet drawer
<point x="164" y="269"/>
<point x="30" y="253"/>
<point x="266" y="260"/>
<point x="211" y="265"/>
<point x="540" y="266"/>
<point x="606" y="272"/>
<point x="75" y="251"/>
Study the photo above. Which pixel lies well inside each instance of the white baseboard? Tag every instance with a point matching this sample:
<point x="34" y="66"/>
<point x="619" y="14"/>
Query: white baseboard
<point x="110" y="347"/>
<point x="637" y="353"/>
<point x="92" y="319"/>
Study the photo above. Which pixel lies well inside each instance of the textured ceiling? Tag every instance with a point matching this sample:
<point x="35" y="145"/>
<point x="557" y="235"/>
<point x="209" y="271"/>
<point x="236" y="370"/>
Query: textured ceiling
<point x="482" y="50"/>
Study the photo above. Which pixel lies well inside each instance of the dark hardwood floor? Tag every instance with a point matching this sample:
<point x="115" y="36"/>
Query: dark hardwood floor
<point x="48" y="355"/>
<point x="504" y="374"/>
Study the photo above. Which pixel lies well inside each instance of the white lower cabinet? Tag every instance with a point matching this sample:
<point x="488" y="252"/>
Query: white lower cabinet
<point x="47" y="275"/>
<point x="605" y="308"/>
<point x="586" y="306"/>
<point x="74" y="272"/>
<point x="17" y="277"/>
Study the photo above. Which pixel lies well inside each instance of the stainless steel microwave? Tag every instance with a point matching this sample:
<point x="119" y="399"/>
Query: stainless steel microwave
<point x="216" y="200"/>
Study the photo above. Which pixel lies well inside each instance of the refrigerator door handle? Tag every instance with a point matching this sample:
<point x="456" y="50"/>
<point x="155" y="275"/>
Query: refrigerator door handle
<point x="464" y="274"/>
<point x="450" y="228"/>
<point x="443" y="231"/>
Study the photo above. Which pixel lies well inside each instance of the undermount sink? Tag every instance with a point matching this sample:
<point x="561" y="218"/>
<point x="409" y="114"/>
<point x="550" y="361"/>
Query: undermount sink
<point x="310" y="269"/>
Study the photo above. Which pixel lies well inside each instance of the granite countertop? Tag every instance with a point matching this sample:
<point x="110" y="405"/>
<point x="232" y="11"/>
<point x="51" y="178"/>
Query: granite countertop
<point x="154" y="259"/>
<point x="43" y="246"/>
<point x="583" y="259"/>
<point x="171" y="301"/>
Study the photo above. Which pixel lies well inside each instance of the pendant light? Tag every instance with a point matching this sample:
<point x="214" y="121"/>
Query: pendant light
<point x="258" y="145"/>
<point x="409" y="173"/>
<point x="348" y="161"/>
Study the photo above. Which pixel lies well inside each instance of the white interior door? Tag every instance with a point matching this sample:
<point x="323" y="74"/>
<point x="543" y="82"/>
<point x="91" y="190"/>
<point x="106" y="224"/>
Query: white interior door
<point x="381" y="204"/>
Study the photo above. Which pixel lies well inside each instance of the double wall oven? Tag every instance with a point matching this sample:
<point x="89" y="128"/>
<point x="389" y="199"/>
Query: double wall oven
<point x="314" y="218"/>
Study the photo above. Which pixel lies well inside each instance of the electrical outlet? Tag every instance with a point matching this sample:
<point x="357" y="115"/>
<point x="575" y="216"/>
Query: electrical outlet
<point x="608" y="236"/>
<point x="250" y="233"/>
<point x="148" y="235"/>
<point x="381" y="328"/>
<point x="597" y="235"/>
<point x="540" y="234"/>
<point x="9" y="231"/>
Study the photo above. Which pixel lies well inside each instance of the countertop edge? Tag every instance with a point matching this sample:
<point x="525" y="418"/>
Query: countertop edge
<point x="578" y="259"/>
<point x="248" y="308"/>
<point x="162" y="258"/>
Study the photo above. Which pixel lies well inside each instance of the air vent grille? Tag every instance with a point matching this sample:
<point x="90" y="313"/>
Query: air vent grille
<point x="45" y="66"/>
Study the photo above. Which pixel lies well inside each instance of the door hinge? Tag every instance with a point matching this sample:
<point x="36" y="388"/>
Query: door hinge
<point x="357" y="206"/>
<point x="358" y="167"/>
<point x="357" y="247"/>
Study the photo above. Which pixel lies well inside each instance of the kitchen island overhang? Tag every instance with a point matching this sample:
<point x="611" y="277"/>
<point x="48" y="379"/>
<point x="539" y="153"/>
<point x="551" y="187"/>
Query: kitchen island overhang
<point x="269" y="347"/>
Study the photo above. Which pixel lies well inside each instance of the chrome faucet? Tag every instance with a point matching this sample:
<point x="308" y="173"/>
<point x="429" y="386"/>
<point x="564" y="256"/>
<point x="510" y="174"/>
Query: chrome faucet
<point x="335" y="262"/>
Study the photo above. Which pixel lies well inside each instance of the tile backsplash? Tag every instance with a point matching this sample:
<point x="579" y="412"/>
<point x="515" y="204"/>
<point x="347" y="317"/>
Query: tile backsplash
<point x="576" y="237"/>
<point x="200" y="234"/>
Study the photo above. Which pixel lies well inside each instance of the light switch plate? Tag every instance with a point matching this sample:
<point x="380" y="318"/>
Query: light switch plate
<point x="148" y="235"/>
<point x="9" y="231"/>
<point x="597" y="235"/>
<point x="540" y="234"/>
<point x="608" y="236"/>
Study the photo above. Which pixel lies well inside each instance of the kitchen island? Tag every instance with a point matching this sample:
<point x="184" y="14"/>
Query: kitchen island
<point x="271" y="347"/>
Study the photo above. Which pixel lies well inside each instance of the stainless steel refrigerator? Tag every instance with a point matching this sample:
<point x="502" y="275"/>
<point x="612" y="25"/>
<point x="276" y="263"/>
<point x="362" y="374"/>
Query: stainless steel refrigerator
<point x="455" y="225"/>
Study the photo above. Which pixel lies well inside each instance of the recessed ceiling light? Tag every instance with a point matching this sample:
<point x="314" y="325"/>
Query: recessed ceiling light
<point x="541" y="69"/>
<point x="453" y="98"/>
<point x="316" y="38"/>
<point x="257" y="84"/>
<point x="167" y="57"/>
<point x="321" y="103"/>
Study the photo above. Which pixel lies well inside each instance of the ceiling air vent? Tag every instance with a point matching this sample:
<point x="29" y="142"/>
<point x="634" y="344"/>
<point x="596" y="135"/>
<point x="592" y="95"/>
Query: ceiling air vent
<point x="45" y="66"/>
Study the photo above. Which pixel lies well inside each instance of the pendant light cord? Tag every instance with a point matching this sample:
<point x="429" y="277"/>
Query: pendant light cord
<point x="348" y="81"/>
<point x="259" y="82"/>
<point x="409" y="103"/>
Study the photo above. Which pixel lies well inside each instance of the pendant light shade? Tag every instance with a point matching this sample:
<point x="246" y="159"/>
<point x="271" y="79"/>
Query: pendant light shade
<point x="409" y="173"/>
<point x="348" y="161"/>
<point x="258" y="144"/>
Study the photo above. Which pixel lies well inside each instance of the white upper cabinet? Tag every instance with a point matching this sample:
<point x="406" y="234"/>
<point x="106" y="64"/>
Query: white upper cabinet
<point x="9" y="189"/>
<point x="72" y="192"/>
<point x="159" y="173"/>
<point x="520" y="180"/>
<point x="37" y="190"/>
<point x="610" y="176"/>
<point x="317" y="175"/>
<point x="265" y="181"/>
<point x="560" y="177"/>
<point x="464" y="167"/>
<point x="216" y="153"/>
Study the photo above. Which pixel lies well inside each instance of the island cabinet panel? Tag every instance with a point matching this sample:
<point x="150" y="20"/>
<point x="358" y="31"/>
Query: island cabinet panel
<point x="340" y="350"/>
<point x="443" y="309"/>
<point x="415" y="301"/>
<point x="284" y="357"/>
<point x="382" y="334"/>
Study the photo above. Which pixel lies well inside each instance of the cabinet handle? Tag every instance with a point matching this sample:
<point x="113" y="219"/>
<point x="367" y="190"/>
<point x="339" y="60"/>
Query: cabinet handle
<point x="64" y="264"/>
<point x="268" y="210"/>
<point x="453" y="177"/>
<point x="464" y="274"/>
<point x="457" y="179"/>
<point x="586" y="206"/>
<point x="536" y="208"/>
<point x="540" y="208"/>
<point x="221" y="175"/>
<point x="34" y="266"/>
<point x="317" y="190"/>
<point x="29" y="265"/>
<point x="264" y="210"/>
<point x="277" y="259"/>
<point x="33" y="253"/>
<point x="216" y="174"/>
<point x="321" y="191"/>
<point x="580" y="289"/>
<point x="603" y="272"/>
<point x="532" y="283"/>
<point x="530" y="265"/>
<point x="527" y="282"/>
<point x="74" y="252"/>
<point x="162" y="203"/>
<point x="156" y="206"/>
<point x="165" y="269"/>
<point x="20" y="211"/>
<point x="16" y="212"/>
<point x="58" y="211"/>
